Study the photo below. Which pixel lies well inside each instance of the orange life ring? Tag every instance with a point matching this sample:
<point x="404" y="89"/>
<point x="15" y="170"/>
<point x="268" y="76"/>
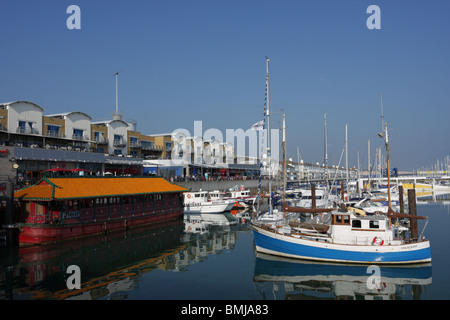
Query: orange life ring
<point x="377" y="241"/>
<point x="188" y="195"/>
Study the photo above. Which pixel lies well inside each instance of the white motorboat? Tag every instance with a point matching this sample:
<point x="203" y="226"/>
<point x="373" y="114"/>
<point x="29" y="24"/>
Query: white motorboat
<point x="198" y="202"/>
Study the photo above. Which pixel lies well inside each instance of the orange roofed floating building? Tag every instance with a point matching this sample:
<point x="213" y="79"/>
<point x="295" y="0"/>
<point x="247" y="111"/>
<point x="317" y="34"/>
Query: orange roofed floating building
<point x="57" y="209"/>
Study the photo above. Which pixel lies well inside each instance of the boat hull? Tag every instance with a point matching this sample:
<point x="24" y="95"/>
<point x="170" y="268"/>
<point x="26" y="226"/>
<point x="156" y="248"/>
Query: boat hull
<point x="47" y="233"/>
<point x="206" y="208"/>
<point x="270" y="242"/>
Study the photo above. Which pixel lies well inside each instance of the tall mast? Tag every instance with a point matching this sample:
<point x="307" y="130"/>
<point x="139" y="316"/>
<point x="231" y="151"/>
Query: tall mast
<point x="325" y="160"/>
<point x="116" y="115"/>
<point x="117" y="93"/>
<point x="268" y="134"/>
<point x="284" y="166"/>
<point x="368" y="163"/>
<point x="346" y="151"/>
<point x="384" y="135"/>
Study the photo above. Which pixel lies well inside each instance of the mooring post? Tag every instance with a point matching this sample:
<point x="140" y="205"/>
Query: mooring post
<point x="400" y="198"/>
<point x="313" y="195"/>
<point x="412" y="211"/>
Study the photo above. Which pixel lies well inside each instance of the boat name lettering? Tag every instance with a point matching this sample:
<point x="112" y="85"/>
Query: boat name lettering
<point x="71" y="214"/>
<point x="411" y="246"/>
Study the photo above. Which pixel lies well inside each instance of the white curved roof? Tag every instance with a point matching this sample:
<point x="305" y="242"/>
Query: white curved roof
<point x="21" y="101"/>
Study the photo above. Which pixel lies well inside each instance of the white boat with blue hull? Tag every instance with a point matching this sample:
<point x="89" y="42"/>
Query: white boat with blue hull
<point x="349" y="239"/>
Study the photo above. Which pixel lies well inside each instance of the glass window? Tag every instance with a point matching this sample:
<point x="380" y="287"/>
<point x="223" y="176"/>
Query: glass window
<point x="52" y="129"/>
<point x="356" y="223"/>
<point x="374" y="224"/>
<point x="346" y="219"/>
<point x="78" y="133"/>
<point x="22" y="126"/>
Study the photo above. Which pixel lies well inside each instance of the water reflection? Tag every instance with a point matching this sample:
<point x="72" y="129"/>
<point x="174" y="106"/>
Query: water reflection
<point x="111" y="265"/>
<point x="287" y="279"/>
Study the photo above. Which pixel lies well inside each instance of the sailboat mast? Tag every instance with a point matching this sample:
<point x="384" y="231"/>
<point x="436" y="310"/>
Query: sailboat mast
<point x="268" y="134"/>
<point x="388" y="151"/>
<point x="325" y="160"/>
<point x="346" y="151"/>
<point x="284" y="166"/>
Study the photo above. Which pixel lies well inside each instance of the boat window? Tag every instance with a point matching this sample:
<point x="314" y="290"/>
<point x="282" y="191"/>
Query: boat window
<point x="374" y="224"/>
<point x="356" y="223"/>
<point x="346" y="219"/>
<point x="342" y="219"/>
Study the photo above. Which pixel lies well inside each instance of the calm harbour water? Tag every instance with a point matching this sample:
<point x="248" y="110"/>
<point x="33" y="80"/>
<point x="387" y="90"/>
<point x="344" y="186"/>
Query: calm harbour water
<point x="165" y="262"/>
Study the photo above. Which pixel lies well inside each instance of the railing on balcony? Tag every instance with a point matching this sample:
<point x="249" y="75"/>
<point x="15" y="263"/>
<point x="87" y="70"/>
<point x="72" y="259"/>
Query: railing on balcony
<point x="80" y="137"/>
<point x="55" y="134"/>
<point x="100" y="140"/>
<point x="135" y="144"/>
<point x="119" y="143"/>
<point x="151" y="147"/>
<point x="22" y="130"/>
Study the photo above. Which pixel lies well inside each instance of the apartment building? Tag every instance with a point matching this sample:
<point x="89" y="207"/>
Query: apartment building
<point x="70" y="140"/>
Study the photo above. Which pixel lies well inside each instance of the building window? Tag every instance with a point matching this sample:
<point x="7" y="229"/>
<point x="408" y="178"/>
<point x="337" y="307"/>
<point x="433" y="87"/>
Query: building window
<point x="22" y="126"/>
<point x="78" y="134"/>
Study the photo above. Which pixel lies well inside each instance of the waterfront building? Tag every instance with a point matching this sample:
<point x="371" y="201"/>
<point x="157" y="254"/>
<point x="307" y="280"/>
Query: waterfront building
<point x="34" y="142"/>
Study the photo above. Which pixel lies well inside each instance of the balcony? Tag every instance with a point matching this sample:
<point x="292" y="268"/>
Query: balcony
<point x="151" y="147"/>
<point x="55" y="134"/>
<point x="79" y="137"/>
<point x="100" y="140"/>
<point x="119" y="143"/>
<point x="22" y="130"/>
<point x="135" y="144"/>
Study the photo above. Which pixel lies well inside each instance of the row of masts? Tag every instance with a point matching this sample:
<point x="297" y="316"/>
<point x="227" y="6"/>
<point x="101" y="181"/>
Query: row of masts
<point x="384" y="135"/>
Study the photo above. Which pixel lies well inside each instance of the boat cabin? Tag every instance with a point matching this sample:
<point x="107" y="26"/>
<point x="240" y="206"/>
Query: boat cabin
<point x="216" y="195"/>
<point x="195" y="197"/>
<point x="239" y="193"/>
<point x="347" y="228"/>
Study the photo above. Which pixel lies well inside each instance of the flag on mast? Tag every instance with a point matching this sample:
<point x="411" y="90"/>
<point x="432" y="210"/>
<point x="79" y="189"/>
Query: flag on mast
<point x="258" y="126"/>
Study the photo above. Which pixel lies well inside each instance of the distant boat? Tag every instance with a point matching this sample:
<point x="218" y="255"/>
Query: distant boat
<point x="321" y="199"/>
<point x="198" y="202"/>
<point x="198" y="206"/>
<point x="240" y="194"/>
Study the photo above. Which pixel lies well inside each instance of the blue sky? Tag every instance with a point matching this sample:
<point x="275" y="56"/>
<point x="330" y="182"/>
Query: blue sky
<point x="190" y="60"/>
